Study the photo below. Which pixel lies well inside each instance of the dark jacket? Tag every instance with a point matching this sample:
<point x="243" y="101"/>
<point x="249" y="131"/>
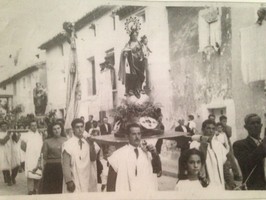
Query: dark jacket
<point x="182" y="141"/>
<point x="249" y="155"/>
<point x="103" y="129"/>
<point x="228" y="131"/>
<point x="88" y="125"/>
<point x="179" y="128"/>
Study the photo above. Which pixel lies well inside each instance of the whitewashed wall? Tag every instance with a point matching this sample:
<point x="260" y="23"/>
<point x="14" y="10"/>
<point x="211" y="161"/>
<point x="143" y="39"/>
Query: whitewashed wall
<point x="88" y="46"/>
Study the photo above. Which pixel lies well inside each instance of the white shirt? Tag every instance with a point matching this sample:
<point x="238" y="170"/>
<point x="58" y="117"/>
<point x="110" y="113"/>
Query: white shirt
<point x="125" y="163"/>
<point x="215" y="159"/>
<point x="34" y="143"/>
<point x="184" y="129"/>
<point x="192" y="125"/>
<point x="106" y="126"/>
<point x="189" y="186"/>
<point x="221" y="137"/>
<point x="83" y="170"/>
<point x="5" y="153"/>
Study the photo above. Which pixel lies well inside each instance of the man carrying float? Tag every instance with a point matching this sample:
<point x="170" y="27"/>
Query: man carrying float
<point x="134" y="162"/>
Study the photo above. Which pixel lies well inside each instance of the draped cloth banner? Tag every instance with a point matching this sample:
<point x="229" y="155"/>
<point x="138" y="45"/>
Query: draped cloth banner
<point x="105" y="90"/>
<point x="253" y="53"/>
<point x="73" y="86"/>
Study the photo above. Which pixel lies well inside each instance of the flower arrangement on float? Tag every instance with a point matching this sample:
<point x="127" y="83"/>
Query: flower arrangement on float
<point x="143" y="111"/>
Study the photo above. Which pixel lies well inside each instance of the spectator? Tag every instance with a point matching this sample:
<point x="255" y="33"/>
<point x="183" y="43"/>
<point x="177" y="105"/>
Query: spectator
<point x="222" y="138"/>
<point x="231" y="159"/>
<point x="191" y="126"/>
<point x="250" y="153"/>
<point x="182" y="141"/>
<point x="95" y="129"/>
<point x="88" y="124"/>
<point x="181" y="127"/>
<point x="214" y="152"/>
<point x="52" y="180"/>
<point x="192" y="161"/>
<point x="212" y="117"/>
<point x="105" y="128"/>
<point x="159" y="142"/>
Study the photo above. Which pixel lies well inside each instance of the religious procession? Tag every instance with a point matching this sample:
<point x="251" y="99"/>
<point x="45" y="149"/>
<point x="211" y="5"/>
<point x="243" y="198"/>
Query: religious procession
<point x="138" y="98"/>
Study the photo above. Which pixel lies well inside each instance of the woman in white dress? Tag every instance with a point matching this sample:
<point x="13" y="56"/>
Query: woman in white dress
<point x="189" y="179"/>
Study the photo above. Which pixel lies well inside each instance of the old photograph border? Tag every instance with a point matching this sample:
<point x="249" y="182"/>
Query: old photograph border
<point x="160" y="194"/>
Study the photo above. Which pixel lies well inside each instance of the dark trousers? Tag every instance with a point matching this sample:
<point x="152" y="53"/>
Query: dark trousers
<point x="7" y="176"/>
<point x="10" y="177"/>
<point x="228" y="176"/>
<point x="111" y="180"/>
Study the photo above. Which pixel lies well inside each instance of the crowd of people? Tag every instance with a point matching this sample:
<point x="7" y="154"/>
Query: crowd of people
<point x="61" y="163"/>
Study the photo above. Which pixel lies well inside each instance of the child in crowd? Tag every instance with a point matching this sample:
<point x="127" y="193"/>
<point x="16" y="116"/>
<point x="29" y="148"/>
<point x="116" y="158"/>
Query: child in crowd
<point x="221" y="136"/>
<point x="191" y="163"/>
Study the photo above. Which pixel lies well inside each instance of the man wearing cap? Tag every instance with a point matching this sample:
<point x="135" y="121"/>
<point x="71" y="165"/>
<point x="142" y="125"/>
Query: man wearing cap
<point x="5" y="152"/>
<point x="134" y="164"/>
<point x="79" y="162"/>
<point x="250" y="153"/>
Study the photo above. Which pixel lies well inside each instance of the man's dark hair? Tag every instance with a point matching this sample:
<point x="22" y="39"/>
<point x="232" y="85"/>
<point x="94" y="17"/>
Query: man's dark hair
<point x="51" y="126"/>
<point x="3" y="122"/>
<point x="222" y="117"/>
<point x="191" y="117"/>
<point x="76" y="121"/>
<point x="249" y="116"/>
<point x="94" y="124"/>
<point x="183" y="160"/>
<point x="207" y="122"/>
<point x="133" y="125"/>
<point x="219" y="124"/>
<point x="211" y="115"/>
<point x="33" y="120"/>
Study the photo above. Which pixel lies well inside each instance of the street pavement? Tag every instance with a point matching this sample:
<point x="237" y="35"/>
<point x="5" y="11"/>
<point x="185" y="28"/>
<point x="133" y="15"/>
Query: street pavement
<point x="20" y="188"/>
<point x="165" y="183"/>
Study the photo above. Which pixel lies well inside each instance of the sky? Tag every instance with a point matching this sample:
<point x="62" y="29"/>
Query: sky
<point x="26" y="24"/>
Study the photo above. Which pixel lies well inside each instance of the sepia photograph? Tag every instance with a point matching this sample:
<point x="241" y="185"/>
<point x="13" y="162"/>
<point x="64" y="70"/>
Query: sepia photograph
<point x="117" y="99"/>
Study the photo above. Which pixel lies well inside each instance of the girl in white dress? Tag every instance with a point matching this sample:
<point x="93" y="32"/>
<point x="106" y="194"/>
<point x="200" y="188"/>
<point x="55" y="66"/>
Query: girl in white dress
<point x="190" y="164"/>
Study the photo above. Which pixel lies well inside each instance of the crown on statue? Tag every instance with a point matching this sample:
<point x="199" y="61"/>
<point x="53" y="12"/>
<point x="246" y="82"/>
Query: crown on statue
<point x="132" y="24"/>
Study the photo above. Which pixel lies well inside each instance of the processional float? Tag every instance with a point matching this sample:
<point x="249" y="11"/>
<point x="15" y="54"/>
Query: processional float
<point x="137" y="106"/>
